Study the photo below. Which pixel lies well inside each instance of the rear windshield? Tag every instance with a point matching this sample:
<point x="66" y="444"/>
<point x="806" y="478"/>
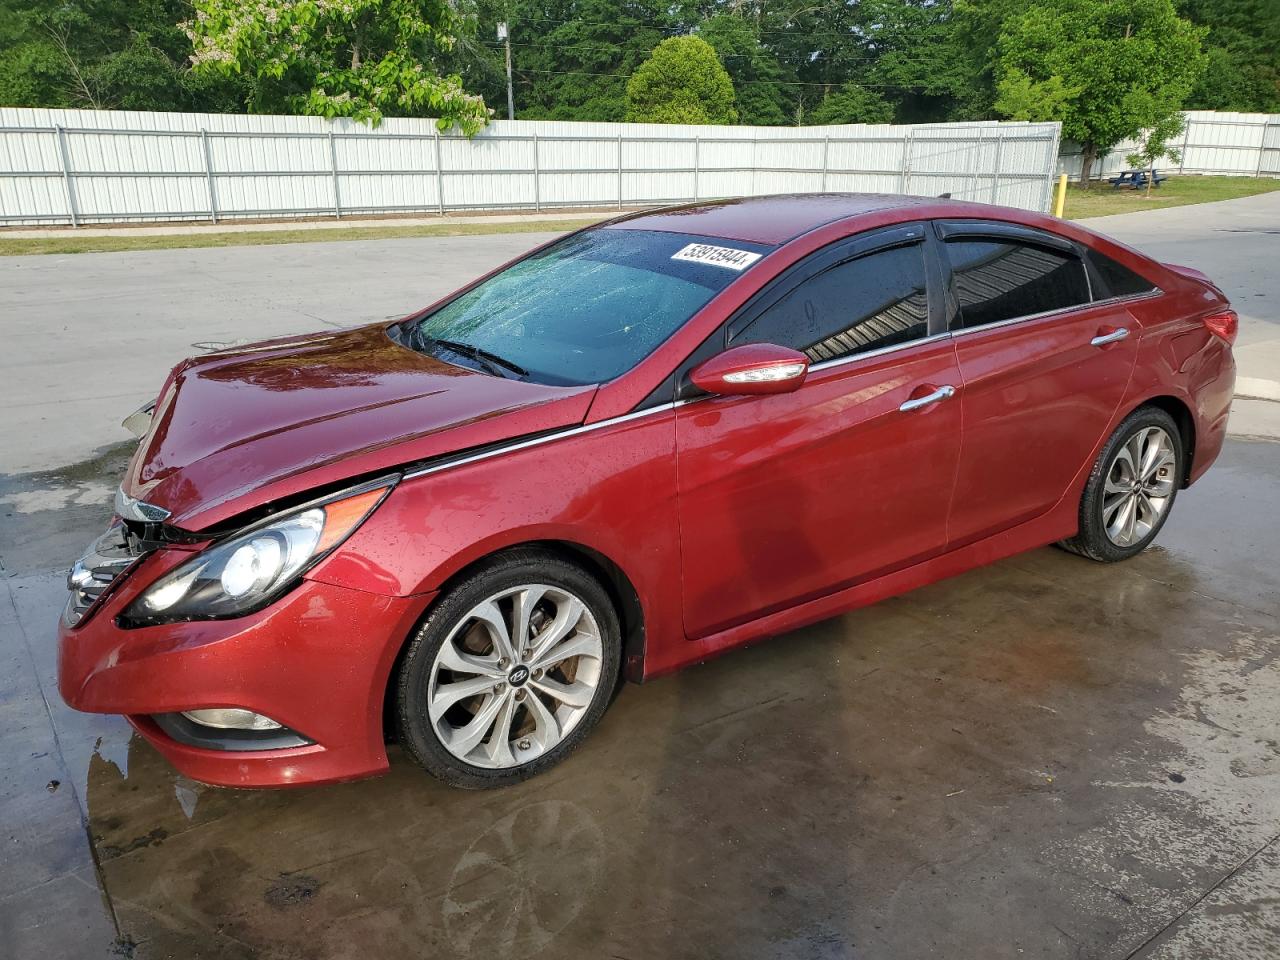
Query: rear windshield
<point x="586" y="309"/>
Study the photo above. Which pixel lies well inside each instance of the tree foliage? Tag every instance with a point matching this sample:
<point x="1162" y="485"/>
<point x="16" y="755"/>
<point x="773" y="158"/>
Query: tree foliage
<point x="682" y="82"/>
<point x="336" y="58"/>
<point x="1156" y="142"/>
<point x="572" y="57"/>
<point x="1108" y="68"/>
<point x="852" y="104"/>
<point x="1243" y="48"/>
<point x="916" y="60"/>
<point x="759" y="80"/>
<point x="788" y="61"/>
<point x="104" y="54"/>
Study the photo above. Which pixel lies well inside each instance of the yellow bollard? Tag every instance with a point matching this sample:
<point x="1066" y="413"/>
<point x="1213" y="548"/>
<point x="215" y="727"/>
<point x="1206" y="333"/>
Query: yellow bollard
<point x="1060" y="200"/>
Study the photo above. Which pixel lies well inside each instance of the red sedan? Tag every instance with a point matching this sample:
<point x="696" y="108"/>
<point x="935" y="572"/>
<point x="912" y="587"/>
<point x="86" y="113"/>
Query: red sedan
<point x="638" y="446"/>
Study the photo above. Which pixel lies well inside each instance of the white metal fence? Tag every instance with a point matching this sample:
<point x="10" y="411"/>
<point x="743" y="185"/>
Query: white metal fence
<point x="1238" y="144"/>
<point x="76" y="167"/>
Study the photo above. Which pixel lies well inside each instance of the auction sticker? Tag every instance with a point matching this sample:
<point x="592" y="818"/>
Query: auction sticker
<point x="725" y="257"/>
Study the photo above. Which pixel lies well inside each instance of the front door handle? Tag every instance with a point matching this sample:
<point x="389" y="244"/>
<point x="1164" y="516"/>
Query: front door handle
<point x="1104" y="338"/>
<point x="942" y="393"/>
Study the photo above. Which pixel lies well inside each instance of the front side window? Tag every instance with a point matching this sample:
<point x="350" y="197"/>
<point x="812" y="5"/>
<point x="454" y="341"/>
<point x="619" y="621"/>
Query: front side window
<point x="586" y="309"/>
<point x="998" y="280"/>
<point x="875" y="301"/>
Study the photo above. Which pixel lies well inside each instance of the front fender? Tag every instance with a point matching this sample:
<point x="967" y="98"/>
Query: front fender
<point x="610" y="488"/>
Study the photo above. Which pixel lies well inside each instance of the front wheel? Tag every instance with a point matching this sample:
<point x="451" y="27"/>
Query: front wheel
<point x="1131" y="489"/>
<point x="509" y="672"/>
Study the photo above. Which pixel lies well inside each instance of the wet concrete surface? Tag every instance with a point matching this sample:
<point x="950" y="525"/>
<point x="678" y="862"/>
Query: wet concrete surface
<point x="1044" y="758"/>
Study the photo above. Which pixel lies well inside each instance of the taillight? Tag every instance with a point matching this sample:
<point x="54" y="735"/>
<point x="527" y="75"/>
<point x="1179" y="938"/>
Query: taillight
<point x="1223" y="325"/>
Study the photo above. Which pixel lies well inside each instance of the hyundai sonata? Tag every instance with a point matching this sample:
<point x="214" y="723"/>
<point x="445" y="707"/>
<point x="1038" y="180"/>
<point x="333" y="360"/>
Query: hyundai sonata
<point x="638" y="446"/>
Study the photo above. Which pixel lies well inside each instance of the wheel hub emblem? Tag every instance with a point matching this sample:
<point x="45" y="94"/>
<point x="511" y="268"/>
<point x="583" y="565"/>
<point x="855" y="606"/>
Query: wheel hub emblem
<point x="518" y="676"/>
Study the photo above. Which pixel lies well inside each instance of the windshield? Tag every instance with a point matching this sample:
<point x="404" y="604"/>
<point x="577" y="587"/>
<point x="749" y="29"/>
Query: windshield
<point x="586" y="309"/>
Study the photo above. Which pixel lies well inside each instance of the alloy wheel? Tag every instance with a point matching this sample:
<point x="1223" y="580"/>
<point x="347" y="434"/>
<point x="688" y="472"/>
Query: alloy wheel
<point x="1139" y="486"/>
<point x="514" y="676"/>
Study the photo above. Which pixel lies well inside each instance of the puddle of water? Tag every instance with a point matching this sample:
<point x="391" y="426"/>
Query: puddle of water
<point x="48" y="516"/>
<point x="1206" y="789"/>
<point x="56" y="498"/>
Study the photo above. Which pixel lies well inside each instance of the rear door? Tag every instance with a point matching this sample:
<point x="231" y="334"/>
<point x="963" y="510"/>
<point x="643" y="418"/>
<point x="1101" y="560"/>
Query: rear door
<point x="1044" y="365"/>
<point x="788" y="497"/>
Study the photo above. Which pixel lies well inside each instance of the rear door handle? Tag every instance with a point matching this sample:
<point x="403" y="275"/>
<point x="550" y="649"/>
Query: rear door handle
<point x="942" y="393"/>
<point x="1104" y="338"/>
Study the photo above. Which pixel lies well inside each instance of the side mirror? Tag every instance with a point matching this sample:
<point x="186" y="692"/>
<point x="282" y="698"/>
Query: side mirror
<point x="753" y="368"/>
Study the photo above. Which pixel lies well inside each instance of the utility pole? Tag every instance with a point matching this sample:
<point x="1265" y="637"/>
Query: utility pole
<point x="505" y="35"/>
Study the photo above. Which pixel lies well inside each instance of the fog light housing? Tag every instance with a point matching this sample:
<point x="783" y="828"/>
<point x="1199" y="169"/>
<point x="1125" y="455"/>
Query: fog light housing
<point x="231" y="718"/>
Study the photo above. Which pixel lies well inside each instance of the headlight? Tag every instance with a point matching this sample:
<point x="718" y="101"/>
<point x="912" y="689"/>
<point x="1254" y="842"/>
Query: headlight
<point x="248" y="571"/>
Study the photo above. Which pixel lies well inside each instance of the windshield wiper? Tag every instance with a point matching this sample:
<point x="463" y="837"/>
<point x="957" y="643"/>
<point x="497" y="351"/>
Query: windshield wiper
<point x="495" y="364"/>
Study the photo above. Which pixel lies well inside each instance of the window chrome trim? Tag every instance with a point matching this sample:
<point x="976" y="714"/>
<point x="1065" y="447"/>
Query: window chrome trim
<point x="882" y="351"/>
<point x="1110" y="301"/>
<point x="1129" y="297"/>
<point x="966" y="331"/>
<point x="546" y="438"/>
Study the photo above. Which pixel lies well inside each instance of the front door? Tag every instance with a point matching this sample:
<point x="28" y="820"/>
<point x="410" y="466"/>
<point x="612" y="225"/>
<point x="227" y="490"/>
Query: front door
<point x="789" y="497"/>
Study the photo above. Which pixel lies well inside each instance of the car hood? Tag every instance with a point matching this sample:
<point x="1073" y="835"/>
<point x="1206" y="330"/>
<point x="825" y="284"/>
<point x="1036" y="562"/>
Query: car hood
<point x="262" y="423"/>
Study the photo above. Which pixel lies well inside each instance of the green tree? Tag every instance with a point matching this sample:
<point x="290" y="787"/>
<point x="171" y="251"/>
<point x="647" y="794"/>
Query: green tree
<point x="759" y="80"/>
<point x="917" y="61"/>
<point x="1154" y="143"/>
<point x="1243" y="48"/>
<point x="682" y="82"/>
<point x="977" y="26"/>
<point x="356" y="58"/>
<point x="1028" y="99"/>
<point x="822" y="44"/>
<point x="1111" y="68"/>
<point x="571" y="58"/>
<point x="851" y="104"/>
<point x="104" y="54"/>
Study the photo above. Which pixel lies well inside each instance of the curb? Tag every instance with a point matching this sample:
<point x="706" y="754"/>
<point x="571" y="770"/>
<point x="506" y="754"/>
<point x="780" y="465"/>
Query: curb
<point x="1257" y="388"/>
<point x="1253" y="419"/>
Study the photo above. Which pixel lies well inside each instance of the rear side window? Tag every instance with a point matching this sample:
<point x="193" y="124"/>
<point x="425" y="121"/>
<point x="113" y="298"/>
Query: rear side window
<point x="1120" y="280"/>
<point x="875" y="301"/>
<point x="998" y="280"/>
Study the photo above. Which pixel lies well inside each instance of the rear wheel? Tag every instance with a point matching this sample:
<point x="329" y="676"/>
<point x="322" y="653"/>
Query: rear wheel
<point x="509" y="672"/>
<point x="1131" y="489"/>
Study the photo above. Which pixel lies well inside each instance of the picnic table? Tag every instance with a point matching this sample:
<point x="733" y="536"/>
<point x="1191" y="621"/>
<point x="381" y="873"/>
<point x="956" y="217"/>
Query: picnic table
<point x="1136" y="179"/>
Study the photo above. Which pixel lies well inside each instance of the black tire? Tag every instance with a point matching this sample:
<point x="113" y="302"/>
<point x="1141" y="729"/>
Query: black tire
<point x="1092" y="540"/>
<point x="506" y="571"/>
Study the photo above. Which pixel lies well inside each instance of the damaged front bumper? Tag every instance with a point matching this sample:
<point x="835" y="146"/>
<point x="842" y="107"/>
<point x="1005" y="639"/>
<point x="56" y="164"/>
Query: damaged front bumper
<point x="317" y="661"/>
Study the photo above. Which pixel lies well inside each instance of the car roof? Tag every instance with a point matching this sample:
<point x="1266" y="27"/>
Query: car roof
<point x="778" y="218"/>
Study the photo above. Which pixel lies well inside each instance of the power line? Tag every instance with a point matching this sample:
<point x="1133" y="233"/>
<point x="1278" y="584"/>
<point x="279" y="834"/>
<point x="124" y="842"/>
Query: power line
<point x="792" y="31"/>
<point x="780" y="83"/>
<point x="615" y="48"/>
